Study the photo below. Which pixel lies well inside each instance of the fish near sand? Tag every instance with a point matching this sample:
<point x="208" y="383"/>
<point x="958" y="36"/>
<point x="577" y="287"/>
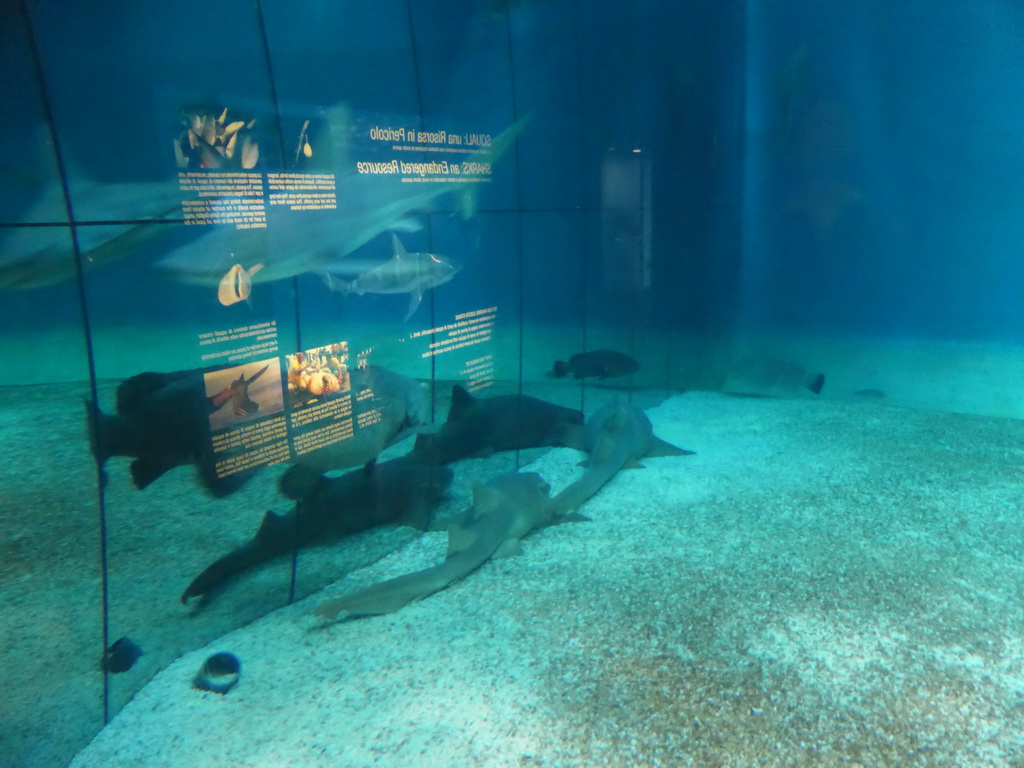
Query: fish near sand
<point x="120" y="656"/>
<point x="386" y="408"/>
<point x="412" y="273"/>
<point x="603" y="363"/>
<point x="505" y="510"/>
<point x="772" y="375"/>
<point x="236" y="285"/>
<point x="616" y="436"/>
<point x="478" y="427"/>
<point x="400" y="491"/>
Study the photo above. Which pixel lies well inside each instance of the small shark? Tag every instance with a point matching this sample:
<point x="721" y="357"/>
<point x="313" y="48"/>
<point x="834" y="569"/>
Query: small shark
<point x="617" y="436"/>
<point x="402" y="491"/>
<point x="477" y="427"/>
<point x="411" y="273"/>
<point x="504" y="511"/>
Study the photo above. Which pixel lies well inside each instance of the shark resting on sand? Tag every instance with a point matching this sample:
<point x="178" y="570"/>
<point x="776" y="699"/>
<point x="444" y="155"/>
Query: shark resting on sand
<point x="479" y="426"/>
<point x="616" y="436"/>
<point x="509" y="507"/>
<point x="402" y="490"/>
<point x="505" y="510"/>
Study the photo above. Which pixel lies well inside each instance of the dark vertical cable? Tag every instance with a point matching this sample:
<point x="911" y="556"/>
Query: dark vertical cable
<point x="44" y="97"/>
<point x="272" y="81"/>
<point x="584" y="251"/>
<point x="414" y="50"/>
<point x="520" y="307"/>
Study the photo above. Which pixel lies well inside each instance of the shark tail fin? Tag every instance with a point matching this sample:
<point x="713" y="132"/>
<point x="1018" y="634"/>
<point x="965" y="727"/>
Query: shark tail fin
<point x="816" y="383"/>
<point x="661" y="447"/>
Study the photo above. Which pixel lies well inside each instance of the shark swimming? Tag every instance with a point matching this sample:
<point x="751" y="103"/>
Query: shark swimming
<point x="412" y="273"/>
<point x="480" y="426"/>
<point x="399" y="491"/>
<point x="616" y="436"/>
<point x="505" y="510"/>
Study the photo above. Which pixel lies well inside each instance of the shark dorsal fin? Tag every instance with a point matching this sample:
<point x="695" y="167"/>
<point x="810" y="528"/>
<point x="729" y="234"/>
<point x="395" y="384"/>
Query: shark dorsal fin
<point x="462" y="401"/>
<point x="486" y="499"/>
<point x="273" y="527"/>
<point x="397" y="247"/>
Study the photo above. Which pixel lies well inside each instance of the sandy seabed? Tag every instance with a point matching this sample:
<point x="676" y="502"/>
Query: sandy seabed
<point x="823" y="583"/>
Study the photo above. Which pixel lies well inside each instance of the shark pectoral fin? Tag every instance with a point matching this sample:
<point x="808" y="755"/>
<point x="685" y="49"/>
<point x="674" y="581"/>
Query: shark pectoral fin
<point x="660" y="447"/>
<point x="573" y="517"/>
<point x="459" y="539"/>
<point x="415" y="297"/>
<point x="508" y="548"/>
<point x="569" y="517"/>
<point x="329" y="610"/>
<point x="145" y="471"/>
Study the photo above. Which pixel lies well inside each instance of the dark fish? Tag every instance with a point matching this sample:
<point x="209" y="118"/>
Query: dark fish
<point x="402" y="490"/>
<point x="121" y="656"/>
<point x="604" y="363"/>
<point x="477" y="427"/>
<point x="775" y="375"/>
<point x="219" y="673"/>
<point x="162" y="421"/>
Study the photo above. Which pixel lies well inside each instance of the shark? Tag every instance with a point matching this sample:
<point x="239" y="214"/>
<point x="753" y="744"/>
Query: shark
<point x="41" y="256"/>
<point x="616" y="436"/>
<point x="411" y="273"/>
<point x="399" y="491"/>
<point x="478" y="426"/>
<point x="505" y="510"/>
<point x="293" y="244"/>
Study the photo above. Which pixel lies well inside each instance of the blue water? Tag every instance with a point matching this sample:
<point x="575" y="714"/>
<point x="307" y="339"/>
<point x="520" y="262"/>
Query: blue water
<point x="705" y="171"/>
